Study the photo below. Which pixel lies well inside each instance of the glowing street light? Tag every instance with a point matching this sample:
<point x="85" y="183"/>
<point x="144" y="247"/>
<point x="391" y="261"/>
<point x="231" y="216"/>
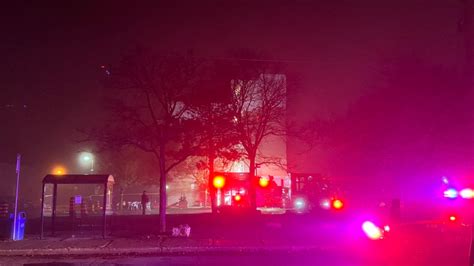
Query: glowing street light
<point x="87" y="158"/>
<point x="59" y="170"/>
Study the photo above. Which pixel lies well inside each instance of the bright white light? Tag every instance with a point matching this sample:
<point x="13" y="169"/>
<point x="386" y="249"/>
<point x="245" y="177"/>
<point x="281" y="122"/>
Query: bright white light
<point x="325" y="204"/>
<point x="467" y="193"/>
<point x="451" y="193"/>
<point x="86" y="159"/>
<point x="386" y="228"/>
<point x="371" y="230"/>
<point x="86" y="156"/>
<point x="299" y="203"/>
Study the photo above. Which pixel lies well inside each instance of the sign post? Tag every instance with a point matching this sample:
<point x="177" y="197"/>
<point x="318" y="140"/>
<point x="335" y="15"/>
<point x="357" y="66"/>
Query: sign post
<point x="18" y="159"/>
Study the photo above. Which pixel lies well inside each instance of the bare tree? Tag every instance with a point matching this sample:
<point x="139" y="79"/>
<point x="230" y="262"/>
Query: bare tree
<point x="148" y="97"/>
<point x="259" y="103"/>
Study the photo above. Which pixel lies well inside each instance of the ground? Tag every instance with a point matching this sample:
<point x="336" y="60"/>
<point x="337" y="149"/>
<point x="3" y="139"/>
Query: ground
<point x="245" y="240"/>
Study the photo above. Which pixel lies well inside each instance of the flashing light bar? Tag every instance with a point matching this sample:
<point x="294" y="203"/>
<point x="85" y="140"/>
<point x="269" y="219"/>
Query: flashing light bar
<point x="450" y="193"/>
<point x="467" y="193"/>
<point x="372" y="231"/>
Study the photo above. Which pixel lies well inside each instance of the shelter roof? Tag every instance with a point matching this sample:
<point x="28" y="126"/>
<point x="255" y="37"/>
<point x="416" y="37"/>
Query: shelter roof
<point x="78" y="179"/>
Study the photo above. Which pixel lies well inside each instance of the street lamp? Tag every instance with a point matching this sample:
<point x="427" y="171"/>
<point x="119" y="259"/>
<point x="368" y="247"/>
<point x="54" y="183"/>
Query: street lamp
<point x="59" y="170"/>
<point x="87" y="158"/>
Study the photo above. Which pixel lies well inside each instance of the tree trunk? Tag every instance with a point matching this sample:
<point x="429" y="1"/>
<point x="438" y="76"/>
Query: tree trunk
<point x="253" y="182"/>
<point x="212" y="189"/>
<point x="162" y="189"/>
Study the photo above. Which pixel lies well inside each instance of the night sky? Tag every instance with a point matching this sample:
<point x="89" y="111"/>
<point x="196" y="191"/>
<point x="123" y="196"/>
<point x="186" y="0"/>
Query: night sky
<point x="52" y="52"/>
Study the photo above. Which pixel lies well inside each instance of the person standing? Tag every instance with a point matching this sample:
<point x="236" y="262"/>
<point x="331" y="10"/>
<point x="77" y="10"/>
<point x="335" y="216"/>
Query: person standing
<point x="145" y="201"/>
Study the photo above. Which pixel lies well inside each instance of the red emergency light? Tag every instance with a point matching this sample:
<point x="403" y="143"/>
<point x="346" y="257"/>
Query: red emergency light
<point x="218" y="181"/>
<point x="237" y="197"/>
<point x="263" y="182"/>
<point x="337" y="204"/>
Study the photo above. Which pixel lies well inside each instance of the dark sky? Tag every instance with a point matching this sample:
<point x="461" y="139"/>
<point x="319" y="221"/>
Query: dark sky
<point x="51" y="53"/>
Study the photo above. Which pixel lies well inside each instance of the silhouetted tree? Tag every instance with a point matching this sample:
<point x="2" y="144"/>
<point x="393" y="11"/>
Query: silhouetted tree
<point x="148" y="99"/>
<point x="259" y="104"/>
<point x="216" y="136"/>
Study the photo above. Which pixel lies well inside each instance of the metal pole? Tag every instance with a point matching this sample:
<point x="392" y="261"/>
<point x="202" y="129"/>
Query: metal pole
<point x="104" y="210"/>
<point x="42" y="211"/>
<point x="53" y="218"/>
<point x="121" y="199"/>
<point x="18" y="159"/>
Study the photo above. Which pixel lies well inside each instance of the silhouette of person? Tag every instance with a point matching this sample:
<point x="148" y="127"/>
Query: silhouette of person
<point x="145" y="200"/>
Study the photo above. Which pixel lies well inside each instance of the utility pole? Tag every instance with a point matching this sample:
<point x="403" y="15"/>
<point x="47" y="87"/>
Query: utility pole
<point x="14" y="235"/>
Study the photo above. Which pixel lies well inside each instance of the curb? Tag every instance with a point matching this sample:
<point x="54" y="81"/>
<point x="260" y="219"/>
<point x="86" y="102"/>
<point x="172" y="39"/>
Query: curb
<point x="153" y="251"/>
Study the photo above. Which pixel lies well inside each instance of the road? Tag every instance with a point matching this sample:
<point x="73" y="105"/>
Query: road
<point x="416" y="244"/>
<point x="273" y="258"/>
<point x="334" y="243"/>
<point x="279" y="258"/>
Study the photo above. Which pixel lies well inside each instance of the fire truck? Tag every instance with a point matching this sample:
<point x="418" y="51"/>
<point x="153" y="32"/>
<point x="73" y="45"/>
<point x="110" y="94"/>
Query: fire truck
<point x="297" y="192"/>
<point x="312" y="192"/>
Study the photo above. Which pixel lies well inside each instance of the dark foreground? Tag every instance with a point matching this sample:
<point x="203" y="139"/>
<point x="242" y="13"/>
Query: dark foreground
<point x="334" y="257"/>
<point x="411" y="245"/>
<point x="266" y="240"/>
<point x="277" y="258"/>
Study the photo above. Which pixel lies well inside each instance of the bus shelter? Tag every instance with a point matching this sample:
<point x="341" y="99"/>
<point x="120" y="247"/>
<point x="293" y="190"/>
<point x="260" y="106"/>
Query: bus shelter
<point x="106" y="180"/>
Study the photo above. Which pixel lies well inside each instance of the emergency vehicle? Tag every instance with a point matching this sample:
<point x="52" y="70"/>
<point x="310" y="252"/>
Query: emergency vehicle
<point x="298" y="192"/>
